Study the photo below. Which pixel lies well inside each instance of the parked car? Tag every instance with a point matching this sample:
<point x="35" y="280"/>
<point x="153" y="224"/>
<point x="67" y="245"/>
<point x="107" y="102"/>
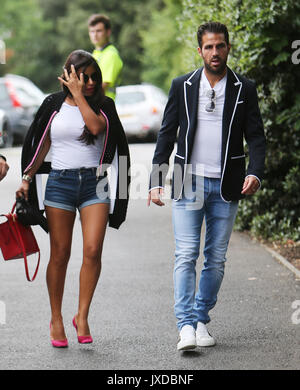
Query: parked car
<point x="20" y="99"/>
<point x="140" y="108"/>
<point x="5" y="132"/>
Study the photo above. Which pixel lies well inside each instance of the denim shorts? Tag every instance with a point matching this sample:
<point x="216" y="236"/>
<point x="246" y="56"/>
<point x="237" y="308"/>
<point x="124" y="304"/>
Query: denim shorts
<point x="71" y="189"/>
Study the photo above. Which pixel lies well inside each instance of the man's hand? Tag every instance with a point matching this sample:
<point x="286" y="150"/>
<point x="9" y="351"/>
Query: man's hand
<point x="3" y="168"/>
<point x="155" y="196"/>
<point x="251" y="185"/>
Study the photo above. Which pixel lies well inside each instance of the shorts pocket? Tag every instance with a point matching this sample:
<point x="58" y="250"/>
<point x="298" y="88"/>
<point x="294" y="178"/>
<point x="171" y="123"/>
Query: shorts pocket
<point x="55" y="175"/>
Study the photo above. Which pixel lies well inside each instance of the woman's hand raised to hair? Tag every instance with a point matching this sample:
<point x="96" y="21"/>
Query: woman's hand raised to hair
<point x="74" y="84"/>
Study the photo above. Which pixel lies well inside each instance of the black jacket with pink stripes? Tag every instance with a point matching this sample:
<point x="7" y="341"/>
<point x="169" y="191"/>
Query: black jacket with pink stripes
<point x="115" y="152"/>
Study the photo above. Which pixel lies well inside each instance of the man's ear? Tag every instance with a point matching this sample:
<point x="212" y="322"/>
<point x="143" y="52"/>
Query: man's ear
<point x="200" y="52"/>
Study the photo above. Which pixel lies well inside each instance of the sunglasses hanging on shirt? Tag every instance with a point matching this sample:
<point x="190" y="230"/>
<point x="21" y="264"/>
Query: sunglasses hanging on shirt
<point x="210" y="107"/>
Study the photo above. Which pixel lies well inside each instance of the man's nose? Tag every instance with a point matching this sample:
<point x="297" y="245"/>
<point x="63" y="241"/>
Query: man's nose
<point x="215" y="51"/>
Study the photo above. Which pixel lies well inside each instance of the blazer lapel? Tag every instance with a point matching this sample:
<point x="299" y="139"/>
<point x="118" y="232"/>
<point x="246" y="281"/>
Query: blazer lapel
<point x="232" y="93"/>
<point x="191" y="96"/>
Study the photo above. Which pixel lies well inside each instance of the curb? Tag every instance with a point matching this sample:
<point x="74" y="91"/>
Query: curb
<point x="283" y="261"/>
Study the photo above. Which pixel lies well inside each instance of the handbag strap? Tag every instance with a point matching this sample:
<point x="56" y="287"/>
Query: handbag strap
<point x="20" y="239"/>
<point x="11" y="213"/>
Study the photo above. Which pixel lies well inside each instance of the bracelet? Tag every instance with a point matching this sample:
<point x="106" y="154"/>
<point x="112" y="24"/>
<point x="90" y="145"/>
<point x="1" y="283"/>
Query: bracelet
<point x="4" y="158"/>
<point x="27" y="178"/>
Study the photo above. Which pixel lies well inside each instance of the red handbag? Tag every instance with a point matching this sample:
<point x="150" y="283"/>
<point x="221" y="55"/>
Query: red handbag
<point x="17" y="241"/>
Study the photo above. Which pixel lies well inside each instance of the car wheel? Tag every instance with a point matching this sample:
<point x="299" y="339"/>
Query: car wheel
<point x="6" y="137"/>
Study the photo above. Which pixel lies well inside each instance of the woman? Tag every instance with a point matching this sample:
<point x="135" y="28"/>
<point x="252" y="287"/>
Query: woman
<point x="86" y="136"/>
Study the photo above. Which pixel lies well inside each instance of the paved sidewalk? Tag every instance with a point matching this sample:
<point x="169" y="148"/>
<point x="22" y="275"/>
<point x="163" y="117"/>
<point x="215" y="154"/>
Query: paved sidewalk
<point x="132" y="313"/>
<point x="132" y="319"/>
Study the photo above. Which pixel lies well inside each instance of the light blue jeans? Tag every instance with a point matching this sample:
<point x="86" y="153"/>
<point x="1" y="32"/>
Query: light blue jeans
<point x="201" y="198"/>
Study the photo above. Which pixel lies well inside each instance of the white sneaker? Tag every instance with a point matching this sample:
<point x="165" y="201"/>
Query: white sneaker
<point x="187" y="338"/>
<point x="203" y="338"/>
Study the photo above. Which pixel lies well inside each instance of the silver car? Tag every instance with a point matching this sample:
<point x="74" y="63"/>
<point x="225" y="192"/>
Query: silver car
<point x="140" y="108"/>
<point x="20" y="99"/>
<point x="5" y="132"/>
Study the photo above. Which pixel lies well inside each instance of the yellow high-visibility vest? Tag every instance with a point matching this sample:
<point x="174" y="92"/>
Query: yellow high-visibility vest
<point x="111" y="66"/>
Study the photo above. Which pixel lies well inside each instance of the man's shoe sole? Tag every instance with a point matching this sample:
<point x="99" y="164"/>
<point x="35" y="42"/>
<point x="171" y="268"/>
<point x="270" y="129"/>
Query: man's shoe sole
<point x="206" y="343"/>
<point x="187" y="346"/>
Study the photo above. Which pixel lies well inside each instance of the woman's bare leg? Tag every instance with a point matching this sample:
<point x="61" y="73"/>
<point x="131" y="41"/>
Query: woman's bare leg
<point x="93" y="221"/>
<point x="60" y="224"/>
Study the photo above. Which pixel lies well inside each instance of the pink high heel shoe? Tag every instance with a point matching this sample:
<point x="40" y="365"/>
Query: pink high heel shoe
<point x="59" y="343"/>
<point x="82" y="339"/>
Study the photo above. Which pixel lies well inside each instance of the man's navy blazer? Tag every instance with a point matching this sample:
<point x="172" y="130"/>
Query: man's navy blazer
<point x="241" y="120"/>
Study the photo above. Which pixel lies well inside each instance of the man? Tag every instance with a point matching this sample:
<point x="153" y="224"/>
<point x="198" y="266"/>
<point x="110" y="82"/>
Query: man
<point x="214" y="109"/>
<point x="105" y="53"/>
<point x="3" y="167"/>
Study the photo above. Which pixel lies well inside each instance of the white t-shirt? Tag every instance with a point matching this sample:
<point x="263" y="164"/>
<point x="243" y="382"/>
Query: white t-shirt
<point x="66" y="151"/>
<point x="206" y="154"/>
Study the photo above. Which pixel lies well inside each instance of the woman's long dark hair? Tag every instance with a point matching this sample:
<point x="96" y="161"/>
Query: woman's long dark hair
<point x="83" y="59"/>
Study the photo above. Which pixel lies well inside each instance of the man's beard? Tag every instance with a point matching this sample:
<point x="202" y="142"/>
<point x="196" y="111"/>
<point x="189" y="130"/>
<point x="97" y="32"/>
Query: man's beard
<point x="218" y="71"/>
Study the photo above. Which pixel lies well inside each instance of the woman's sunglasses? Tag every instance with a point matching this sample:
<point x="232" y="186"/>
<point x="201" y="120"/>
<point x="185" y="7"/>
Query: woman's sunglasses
<point x="93" y="77"/>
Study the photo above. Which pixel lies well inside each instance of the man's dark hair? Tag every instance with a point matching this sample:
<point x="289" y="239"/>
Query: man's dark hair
<point x="212" y="27"/>
<point x="99" y="18"/>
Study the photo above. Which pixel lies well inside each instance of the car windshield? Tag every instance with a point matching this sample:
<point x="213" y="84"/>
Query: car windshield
<point x="4" y="97"/>
<point x="26" y="91"/>
<point x="130" y="97"/>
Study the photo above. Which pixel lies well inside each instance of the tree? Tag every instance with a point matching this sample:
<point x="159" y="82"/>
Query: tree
<point x="163" y="56"/>
<point x="127" y="18"/>
<point x="41" y="33"/>
<point x="262" y="34"/>
<point x="22" y="27"/>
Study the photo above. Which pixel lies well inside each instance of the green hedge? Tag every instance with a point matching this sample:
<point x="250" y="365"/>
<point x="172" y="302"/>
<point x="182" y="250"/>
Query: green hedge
<point x="261" y="35"/>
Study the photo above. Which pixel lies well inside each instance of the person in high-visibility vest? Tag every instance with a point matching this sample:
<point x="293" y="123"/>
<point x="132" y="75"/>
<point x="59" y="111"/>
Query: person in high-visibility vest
<point x="105" y="53"/>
